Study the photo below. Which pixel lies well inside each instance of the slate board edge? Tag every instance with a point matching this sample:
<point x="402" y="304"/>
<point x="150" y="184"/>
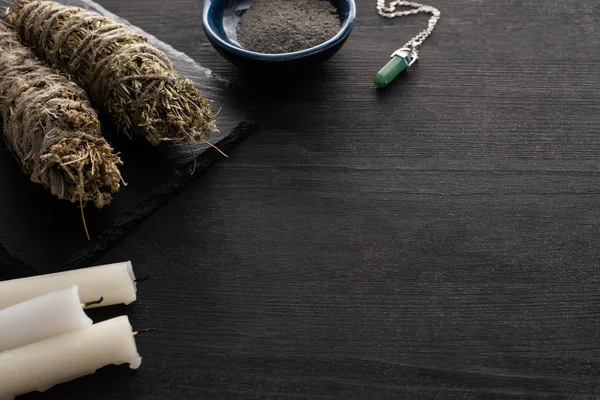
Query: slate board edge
<point x="149" y="205"/>
<point x="11" y="267"/>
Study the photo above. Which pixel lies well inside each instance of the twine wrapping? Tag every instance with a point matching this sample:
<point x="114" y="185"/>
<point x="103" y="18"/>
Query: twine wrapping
<point x="52" y="130"/>
<point x="125" y="77"/>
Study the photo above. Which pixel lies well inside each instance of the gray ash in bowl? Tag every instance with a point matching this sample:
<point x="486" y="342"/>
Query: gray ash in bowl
<point x="286" y="26"/>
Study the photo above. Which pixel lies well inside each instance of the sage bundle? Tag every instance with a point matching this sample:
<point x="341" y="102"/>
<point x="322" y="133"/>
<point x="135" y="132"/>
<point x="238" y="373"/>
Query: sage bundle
<point x="52" y="130"/>
<point x="127" y="78"/>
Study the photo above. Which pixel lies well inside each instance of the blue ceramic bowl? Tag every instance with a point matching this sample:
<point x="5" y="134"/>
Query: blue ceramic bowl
<point x="221" y="17"/>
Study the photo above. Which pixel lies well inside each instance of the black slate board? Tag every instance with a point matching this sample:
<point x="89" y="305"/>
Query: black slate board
<point x="41" y="234"/>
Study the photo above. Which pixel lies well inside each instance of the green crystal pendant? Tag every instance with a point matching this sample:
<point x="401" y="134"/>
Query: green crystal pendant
<point x="401" y="59"/>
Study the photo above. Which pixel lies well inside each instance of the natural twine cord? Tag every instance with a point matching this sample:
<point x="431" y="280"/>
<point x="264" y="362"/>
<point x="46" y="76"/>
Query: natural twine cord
<point x="52" y="130"/>
<point x="126" y="77"/>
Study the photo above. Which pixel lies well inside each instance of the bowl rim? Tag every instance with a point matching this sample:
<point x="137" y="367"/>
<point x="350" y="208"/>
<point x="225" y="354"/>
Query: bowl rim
<point x="339" y="37"/>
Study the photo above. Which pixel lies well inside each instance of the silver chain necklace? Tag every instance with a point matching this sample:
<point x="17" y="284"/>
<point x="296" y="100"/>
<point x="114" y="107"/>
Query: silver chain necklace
<point x="405" y="56"/>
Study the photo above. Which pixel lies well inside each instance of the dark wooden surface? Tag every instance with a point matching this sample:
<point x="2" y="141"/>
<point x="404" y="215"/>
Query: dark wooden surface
<point x="439" y="239"/>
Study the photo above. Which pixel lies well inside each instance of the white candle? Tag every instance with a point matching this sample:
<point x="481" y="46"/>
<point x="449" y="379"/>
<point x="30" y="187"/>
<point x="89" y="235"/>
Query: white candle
<point x="42" y="365"/>
<point x="41" y="318"/>
<point x="114" y="282"/>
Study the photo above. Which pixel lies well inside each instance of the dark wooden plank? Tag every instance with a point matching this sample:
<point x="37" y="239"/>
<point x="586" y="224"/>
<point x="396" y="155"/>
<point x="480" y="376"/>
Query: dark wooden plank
<point x="47" y="234"/>
<point x="436" y="240"/>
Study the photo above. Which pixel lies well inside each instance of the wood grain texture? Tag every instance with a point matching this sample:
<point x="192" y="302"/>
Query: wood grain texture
<point x="435" y="240"/>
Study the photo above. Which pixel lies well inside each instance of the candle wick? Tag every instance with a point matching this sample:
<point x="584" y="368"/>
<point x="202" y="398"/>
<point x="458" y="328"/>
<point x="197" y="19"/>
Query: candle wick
<point x="91" y="303"/>
<point x="143" y="331"/>
<point x="141" y="279"/>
